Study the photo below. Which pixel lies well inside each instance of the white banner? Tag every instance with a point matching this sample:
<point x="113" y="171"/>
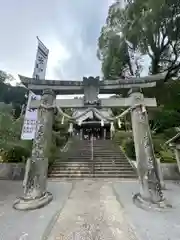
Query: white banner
<point x="30" y="119"/>
<point x="41" y="61"/>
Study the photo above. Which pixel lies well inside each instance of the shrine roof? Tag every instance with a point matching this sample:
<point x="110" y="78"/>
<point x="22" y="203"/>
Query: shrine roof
<point x="91" y="114"/>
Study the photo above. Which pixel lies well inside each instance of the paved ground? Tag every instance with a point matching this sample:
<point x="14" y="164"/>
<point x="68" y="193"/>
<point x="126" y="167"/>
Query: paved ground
<point x="92" y="213"/>
<point x="88" y="210"/>
<point x="32" y="225"/>
<point x="151" y="225"/>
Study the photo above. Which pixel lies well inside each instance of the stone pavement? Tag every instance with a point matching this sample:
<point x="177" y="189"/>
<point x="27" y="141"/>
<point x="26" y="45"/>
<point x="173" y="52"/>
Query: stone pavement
<point x="89" y="209"/>
<point x="151" y="225"/>
<point x="92" y="213"/>
<point x="32" y="225"/>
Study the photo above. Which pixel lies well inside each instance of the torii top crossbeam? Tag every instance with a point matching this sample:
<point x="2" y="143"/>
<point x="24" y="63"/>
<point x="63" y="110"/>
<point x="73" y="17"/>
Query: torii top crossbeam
<point x="104" y="87"/>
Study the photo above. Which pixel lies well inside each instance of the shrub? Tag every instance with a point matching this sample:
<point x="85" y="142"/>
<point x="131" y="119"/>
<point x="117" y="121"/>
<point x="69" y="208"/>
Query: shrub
<point x="169" y="133"/>
<point x="158" y="145"/>
<point x="161" y="151"/>
<point x="60" y="141"/>
<point x="122" y="135"/>
<point x="128" y="146"/>
<point x="167" y="156"/>
<point x="52" y="154"/>
<point x="15" y="154"/>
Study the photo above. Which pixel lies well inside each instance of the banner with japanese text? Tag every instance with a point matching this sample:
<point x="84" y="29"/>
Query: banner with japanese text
<point x="30" y="119"/>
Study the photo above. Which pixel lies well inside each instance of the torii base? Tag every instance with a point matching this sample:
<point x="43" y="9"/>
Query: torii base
<point x="147" y="204"/>
<point x="24" y="204"/>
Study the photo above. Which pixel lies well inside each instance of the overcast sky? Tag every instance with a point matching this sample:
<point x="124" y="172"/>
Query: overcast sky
<point x="69" y="28"/>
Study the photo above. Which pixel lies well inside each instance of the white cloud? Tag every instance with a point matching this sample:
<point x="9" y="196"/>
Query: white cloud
<point x="69" y="28"/>
<point x="57" y="55"/>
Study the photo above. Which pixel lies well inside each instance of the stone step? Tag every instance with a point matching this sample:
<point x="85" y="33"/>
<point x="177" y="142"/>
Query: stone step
<point x="95" y="172"/>
<point x="61" y="175"/>
<point x="90" y="163"/>
<point x="104" y="168"/>
<point x="109" y="157"/>
<point x="71" y="172"/>
<point x="109" y="153"/>
<point x="113" y="168"/>
<point x="108" y="162"/>
<point x="96" y="150"/>
<point x="104" y="146"/>
<point x="97" y="157"/>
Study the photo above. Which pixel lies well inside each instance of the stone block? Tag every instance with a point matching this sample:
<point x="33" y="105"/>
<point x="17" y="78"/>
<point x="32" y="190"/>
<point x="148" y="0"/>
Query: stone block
<point x="12" y="171"/>
<point x="170" y="171"/>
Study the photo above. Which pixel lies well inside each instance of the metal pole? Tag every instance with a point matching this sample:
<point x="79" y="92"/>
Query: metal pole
<point x="92" y="154"/>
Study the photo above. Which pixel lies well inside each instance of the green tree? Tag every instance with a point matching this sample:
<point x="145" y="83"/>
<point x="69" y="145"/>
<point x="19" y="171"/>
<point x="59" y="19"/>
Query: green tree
<point x="147" y="28"/>
<point x="14" y="95"/>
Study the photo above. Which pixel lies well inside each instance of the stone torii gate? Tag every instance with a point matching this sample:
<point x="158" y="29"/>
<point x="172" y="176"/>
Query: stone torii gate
<point x="36" y="194"/>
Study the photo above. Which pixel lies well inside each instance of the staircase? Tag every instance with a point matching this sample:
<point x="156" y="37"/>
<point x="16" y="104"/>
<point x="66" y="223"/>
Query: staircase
<point x="107" y="161"/>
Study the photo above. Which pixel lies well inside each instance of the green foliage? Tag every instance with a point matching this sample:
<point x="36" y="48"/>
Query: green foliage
<point x="158" y="145"/>
<point x="166" y="119"/>
<point x="12" y="148"/>
<point x="14" y="95"/>
<point x="15" y="153"/>
<point x="52" y="154"/>
<point x="169" y="133"/>
<point x="167" y="156"/>
<point x="160" y="149"/>
<point x="10" y="129"/>
<point x="60" y="131"/>
<point x="59" y="137"/>
<point x="128" y="146"/>
<point x="141" y="28"/>
<point x="60" y="141"/>
<point x="167" y="115"/>
<point x="146" y="28"/>
<point x="120" y="136"/>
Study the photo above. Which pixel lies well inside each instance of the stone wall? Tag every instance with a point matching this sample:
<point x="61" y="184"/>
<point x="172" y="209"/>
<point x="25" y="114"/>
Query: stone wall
<point x="12" y="171"/>
<point x="170" y="170"/>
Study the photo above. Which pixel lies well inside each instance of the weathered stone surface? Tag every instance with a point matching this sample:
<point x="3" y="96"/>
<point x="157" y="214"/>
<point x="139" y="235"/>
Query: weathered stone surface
<point x="37" y="165"/>
<point x="150" y="187"/>
<point x="170" y="171"/>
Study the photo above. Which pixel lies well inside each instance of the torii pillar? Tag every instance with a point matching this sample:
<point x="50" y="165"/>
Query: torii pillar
<point x="150" y="195"/>
<point x="35" y="194"/>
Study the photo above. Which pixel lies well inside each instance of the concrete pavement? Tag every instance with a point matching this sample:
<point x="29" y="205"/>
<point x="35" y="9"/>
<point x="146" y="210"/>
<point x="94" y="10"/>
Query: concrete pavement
<point x="92" y="213"/>
<point x="31" y="225"/>
<point x="89" y="209"/>
<point x="151" y="225"/>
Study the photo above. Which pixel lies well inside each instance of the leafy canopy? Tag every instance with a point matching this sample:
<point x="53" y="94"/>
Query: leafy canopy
<point x="141" y="28"/>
